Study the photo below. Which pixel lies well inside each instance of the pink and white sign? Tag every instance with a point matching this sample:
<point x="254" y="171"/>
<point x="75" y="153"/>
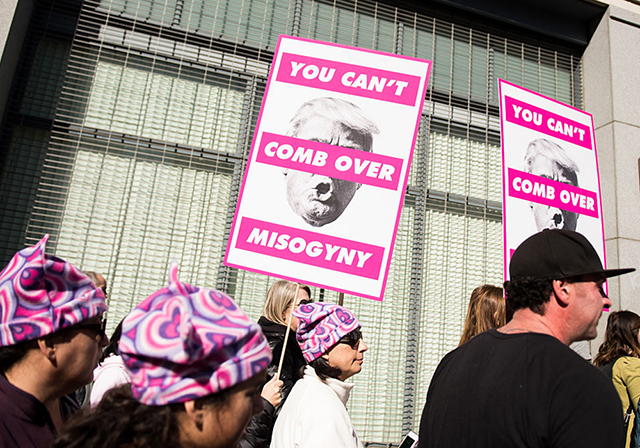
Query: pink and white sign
<point x="323" y="191"/>
<point x="549" y="169"/>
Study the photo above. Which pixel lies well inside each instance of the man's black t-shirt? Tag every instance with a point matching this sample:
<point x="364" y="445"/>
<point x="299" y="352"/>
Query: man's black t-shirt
<point x="519" y="390"/>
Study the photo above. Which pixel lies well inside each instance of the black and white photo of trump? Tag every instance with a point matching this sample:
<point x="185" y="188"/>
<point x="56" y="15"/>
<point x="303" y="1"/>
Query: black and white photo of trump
<point x="547" y="159"/>
<point x="316" y="198"/>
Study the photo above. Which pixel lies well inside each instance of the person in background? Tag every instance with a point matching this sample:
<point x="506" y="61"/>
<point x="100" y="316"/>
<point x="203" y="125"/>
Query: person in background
<point x="619" y="357"/>
<point x="280" y="303"/>
<point x="51" y="336"/>
<point x="111" y="371"/>
<point x="487" y="310"/>
<point x="82" y="395"/>
<point x="99" y="281"/>
<point x="315" y="414"/>
<point x="197" y="365"/>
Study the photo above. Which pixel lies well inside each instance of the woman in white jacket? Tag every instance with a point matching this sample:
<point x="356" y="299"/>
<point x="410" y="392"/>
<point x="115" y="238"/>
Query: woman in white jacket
<point x="110" y="372"/>
<point x="315" y="414"/>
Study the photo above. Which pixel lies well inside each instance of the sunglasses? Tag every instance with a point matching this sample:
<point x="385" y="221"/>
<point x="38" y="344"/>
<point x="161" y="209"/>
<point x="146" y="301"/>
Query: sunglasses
<point x="99" y="328"/>
<point x="305" y="302"/>
<point x="352" y="339"/>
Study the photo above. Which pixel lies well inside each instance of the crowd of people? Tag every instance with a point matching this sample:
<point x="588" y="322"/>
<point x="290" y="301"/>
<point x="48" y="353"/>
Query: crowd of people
<point x="188" y="368"/>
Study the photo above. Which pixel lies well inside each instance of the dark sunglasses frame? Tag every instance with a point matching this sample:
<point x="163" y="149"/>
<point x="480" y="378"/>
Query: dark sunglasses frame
<point x="99" y="328"/>
<point x="352" y="339"/>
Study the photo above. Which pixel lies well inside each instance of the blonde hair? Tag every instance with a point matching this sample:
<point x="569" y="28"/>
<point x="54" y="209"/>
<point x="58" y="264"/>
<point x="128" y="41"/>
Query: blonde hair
<point x="487" y="310"/>
<point x="281" y="295"/>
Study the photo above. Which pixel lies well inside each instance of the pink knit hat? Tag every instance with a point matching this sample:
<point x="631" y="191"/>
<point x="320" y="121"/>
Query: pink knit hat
<point x="41" y="294"/>
<point x="183" y="343"/>
<point x="321" y="326"/>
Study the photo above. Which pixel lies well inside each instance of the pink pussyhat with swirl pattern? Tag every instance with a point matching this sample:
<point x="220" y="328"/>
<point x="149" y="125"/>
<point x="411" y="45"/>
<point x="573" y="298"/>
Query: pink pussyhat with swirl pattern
<point x="41" y="294"/>
<point x="182" y="343"/>
<point x="321" y="326"/>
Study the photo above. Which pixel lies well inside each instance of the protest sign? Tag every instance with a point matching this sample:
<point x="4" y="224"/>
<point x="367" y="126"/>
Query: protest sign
<point x="323" y="190"/>
<point x="549" y="169"/>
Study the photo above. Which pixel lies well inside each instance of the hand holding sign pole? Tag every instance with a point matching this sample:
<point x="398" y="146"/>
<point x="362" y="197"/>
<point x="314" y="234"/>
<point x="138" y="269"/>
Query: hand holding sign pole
<point x="286" y="334"/>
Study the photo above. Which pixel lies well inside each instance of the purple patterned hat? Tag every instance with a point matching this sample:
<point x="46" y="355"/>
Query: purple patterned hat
<point x="41" y="294"/>
<point x="321" y="326"/>
<point x="183" y="343"/>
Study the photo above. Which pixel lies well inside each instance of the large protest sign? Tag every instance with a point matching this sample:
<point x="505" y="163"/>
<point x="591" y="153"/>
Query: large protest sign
<point x="324" y="185"/>
<point x="549" y="169"/>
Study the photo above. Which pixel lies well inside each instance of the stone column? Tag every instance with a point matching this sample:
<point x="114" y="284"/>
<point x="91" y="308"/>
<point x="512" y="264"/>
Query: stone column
<point x="611" y="83"/>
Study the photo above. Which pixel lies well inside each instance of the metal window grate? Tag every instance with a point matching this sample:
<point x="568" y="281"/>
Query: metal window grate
<point x="153" y="128"/>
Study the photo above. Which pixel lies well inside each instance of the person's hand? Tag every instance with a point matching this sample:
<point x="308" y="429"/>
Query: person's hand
<point x="271" y="391"/>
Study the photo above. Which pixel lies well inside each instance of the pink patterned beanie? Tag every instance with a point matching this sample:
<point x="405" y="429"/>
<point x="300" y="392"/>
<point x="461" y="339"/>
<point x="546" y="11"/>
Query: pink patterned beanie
<point x="41" y="294"/>
<point x="183" y="343"/>
<point x="321" y="326"/>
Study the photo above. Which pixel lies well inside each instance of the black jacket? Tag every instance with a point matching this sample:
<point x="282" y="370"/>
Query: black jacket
<point x="261" y="426"/>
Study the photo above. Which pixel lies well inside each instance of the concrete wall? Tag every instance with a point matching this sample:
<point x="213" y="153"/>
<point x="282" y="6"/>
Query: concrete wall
<point x="611" y="70"/>
<point x="7" y="10"/>
<point x="14" y="20"/>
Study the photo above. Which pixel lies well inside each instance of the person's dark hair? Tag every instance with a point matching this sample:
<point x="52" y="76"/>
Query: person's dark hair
<point x="528" y="292"/>
<point x="620" y="338"/>
<point x="13" y="353"/>
<point x="112" y="348"/>
<point x="121" y="421"/>
<point x="324" y="370"/>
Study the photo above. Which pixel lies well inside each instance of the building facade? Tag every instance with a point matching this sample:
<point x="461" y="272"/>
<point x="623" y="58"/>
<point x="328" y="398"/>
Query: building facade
<point x="126" y="126"/>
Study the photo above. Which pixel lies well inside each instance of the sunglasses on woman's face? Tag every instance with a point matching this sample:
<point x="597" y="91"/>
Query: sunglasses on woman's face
<point x="352" y="339"/>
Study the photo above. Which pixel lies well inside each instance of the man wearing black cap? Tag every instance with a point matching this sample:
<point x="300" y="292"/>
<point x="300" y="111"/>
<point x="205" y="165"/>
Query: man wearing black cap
<point x="520" y="385"/>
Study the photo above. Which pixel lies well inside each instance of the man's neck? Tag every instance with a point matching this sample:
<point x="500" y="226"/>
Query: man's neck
<point x="526" y="321"/>
<point x="32" y="378"/>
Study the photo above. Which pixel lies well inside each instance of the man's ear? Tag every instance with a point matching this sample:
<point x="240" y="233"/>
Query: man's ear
<point x="194" y="412"/>
<point x="561" y="292"/>
<point x="48" y="348"/>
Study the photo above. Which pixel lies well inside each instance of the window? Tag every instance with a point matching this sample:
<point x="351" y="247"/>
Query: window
<point x="154" y="126"/>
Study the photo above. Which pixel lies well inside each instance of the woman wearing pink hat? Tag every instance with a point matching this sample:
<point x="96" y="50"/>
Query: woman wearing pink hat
<point x="51" y="333"/>
<point x="315" y="414"/>
<point x="197" y="366"/>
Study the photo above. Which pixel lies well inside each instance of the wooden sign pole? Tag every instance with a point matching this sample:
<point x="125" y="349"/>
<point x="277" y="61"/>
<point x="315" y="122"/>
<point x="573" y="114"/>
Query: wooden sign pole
<point x="286" y="334"/>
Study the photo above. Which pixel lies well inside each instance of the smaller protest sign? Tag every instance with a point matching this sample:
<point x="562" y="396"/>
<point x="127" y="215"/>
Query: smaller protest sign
<point x="549" y="170"/>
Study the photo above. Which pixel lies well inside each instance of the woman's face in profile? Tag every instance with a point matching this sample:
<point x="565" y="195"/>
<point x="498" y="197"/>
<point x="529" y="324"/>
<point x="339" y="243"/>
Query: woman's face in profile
<point x="347" y="358"/>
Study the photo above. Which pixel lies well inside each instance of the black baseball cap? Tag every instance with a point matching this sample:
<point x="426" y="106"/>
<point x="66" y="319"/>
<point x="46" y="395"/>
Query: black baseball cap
<point x="556" y="254"/>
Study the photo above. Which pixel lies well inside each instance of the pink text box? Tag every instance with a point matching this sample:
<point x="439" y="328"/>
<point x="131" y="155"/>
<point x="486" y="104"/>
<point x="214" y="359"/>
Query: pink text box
<point x="552" y="193"/>
<point x="328" y="160"/>
<point x="352" y="79"/>
<point x="311" y="248"/>
<point x="541" y="120"/>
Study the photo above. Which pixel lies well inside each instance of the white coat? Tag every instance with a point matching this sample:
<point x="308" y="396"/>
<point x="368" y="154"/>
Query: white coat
<point x="315" y="415"/>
